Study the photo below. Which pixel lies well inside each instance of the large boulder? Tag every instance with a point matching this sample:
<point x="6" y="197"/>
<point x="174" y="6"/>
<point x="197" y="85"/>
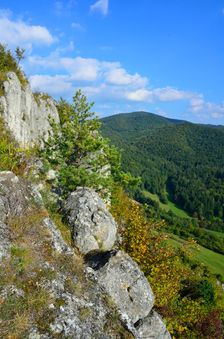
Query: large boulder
<point x="93" y="227"/>
<point x="125" y="283"/>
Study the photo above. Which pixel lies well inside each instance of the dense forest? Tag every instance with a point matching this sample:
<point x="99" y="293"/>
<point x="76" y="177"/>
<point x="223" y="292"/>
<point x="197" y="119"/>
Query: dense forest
<point x="179" y="161"/>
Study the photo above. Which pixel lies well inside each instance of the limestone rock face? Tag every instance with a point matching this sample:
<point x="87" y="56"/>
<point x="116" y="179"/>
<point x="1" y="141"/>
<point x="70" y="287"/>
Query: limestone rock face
<point x="26" y="118"/>
<point x="127" y="286"/>
<point x="93" y="227"/>
<point x="129" y="290"/>
<point x="152" y="327"/>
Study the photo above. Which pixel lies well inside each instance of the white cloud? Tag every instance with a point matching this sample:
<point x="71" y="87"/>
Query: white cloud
<point x="49" y="62"/>
<point x="54" y="85"/>
<point x="202" y="108"/>
<point x="89" y="69"/>
<point x="140" y="95"/>
<point x="165" y="94"/>
<point x="197" y="103"/>
<point x="217" y="115"/>
<point x="82" y="69"/>
<point x="170" y="94"/>
<point x="119" y="76"/>
<point x="109" y="82"/>
<point x="15" y="33"/>
<point x="101" y="6"/>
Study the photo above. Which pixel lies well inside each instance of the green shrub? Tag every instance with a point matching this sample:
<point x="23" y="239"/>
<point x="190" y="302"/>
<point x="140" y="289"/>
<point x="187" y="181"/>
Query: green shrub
<point x="77" y="151"/>
<point x="9" y="158"/>
<point x="8" y="63"/>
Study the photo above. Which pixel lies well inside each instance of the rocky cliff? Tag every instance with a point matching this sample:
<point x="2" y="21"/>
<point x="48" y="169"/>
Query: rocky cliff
<point x="78" y="286"/>
<point x="25" y="114"/>
<point x="62" y="292"/>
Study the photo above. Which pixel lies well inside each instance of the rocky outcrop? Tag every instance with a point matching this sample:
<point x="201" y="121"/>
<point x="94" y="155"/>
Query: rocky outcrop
<point x="107" y="296"/>
<point x="92" y="225"/>
<point x="128" y="288"/>
<point x="76" y="307"/>
<point x="118" y="275"/>
<point x="26" y="117"/>
<point x="57" y="241"/>
<point x="122" y="279"/>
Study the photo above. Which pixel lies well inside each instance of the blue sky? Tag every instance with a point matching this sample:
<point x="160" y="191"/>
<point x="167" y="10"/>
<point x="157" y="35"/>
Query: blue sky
<point x="161" y="56"/>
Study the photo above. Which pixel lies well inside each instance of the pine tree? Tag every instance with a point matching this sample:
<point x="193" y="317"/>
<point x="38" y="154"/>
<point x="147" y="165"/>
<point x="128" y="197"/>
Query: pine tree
<point x="76" y="150"/>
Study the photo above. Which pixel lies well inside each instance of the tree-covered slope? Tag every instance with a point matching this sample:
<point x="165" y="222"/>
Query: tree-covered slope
<point x="181" y="161"/>
<point x="132" y="125"/>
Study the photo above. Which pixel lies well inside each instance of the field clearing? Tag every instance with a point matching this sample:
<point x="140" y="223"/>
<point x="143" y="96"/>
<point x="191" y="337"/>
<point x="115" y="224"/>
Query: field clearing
<point x="214" y="261"/>
<point x="218" y="234"/>
<point x="170" y="206"/>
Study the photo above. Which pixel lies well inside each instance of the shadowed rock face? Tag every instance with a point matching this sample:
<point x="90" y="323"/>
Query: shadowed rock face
<point x="97" y="260"/>
<point x="93" y="227"/>
<point x="26" y="118"/>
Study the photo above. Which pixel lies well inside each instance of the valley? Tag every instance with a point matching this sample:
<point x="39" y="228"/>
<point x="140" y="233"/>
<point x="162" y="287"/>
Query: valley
<point x="182" y="178"/>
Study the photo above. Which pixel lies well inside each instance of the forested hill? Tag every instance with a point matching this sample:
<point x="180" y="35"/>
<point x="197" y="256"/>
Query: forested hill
<point x="178" y="160"/>
<point x="128" y="125"/>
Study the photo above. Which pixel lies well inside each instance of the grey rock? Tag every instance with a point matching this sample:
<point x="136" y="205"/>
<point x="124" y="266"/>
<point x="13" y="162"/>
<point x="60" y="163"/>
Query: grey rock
<point x="82" y="315"/>
<point x="127" y="286"/>
<point x="153" y="327"/>
<point x="15" y="196"/>
<point x="34" y="334"/>
<point x="58" y="242"/>
<point x="10" y="290"/>
<point x="51" y="175"/>
<point x="111" y="282"/>
<point x="4" y="240"/>
<point x="93" y="227"/>
<point x="35" y="191"/>
<point x="26" y="118"/>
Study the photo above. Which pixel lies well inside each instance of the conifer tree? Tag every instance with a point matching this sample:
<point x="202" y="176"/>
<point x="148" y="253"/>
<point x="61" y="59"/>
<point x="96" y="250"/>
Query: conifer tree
<point x="76" y="150"/>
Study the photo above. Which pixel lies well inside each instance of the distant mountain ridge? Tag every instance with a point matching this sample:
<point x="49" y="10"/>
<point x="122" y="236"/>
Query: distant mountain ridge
<point x="136" y="121"/>
<point x="176" y="159"/>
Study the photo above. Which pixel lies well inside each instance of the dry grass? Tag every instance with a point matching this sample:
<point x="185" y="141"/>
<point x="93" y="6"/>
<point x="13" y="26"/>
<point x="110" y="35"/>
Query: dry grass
<point x="24" y="270"/>
<point x="85" y="313"/>
<point x="63" y="228"/>
<point x="21" y="225"/>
